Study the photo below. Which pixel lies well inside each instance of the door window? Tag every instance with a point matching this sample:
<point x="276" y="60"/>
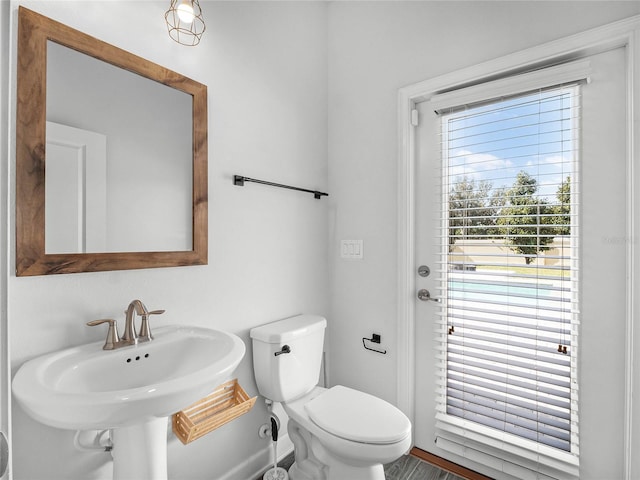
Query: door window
<point x="509" y="257"/>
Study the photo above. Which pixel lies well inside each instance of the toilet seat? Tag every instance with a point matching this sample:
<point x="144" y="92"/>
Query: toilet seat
<point x="358" y="416"/>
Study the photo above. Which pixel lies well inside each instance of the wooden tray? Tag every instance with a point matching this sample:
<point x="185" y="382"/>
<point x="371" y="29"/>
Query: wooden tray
<point x="226" y="403"/>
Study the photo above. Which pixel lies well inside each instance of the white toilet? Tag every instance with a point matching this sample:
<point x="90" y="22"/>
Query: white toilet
<point x="338" y="433"/>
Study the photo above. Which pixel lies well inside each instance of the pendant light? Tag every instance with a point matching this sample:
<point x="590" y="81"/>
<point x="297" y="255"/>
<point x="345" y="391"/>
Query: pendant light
<point x="185" y="22"/>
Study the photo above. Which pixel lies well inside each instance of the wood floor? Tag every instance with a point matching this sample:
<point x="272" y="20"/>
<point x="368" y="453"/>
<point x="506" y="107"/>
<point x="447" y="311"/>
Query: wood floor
<point x="407" y="467"/>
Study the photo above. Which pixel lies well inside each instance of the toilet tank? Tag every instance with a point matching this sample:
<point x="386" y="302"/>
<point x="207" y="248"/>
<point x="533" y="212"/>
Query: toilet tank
<point x="283" y="377"/>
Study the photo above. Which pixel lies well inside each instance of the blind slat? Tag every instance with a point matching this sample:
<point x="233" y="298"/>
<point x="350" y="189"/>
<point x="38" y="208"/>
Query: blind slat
<point x="459" y="371"/>
<point x="494" y="356"/>
<point x="511" y="397"/>
<point x="551" y="425"/>
<point x="527" y="374"/>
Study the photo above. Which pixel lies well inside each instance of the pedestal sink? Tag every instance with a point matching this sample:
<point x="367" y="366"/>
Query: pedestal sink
<point x="131" y="390"/>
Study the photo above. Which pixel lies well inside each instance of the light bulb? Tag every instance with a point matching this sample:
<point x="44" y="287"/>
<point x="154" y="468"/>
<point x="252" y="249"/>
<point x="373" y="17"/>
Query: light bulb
<point x="185" y="11"/>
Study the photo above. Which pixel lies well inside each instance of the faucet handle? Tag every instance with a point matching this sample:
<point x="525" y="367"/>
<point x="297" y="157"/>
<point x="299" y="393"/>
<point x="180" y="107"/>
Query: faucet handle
<point x="112" y="334"/>
<point x="145" y="331"/>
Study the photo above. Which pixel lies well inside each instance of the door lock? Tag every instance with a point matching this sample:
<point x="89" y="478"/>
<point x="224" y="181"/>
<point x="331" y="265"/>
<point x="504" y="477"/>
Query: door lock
<point x="424" y="271"/>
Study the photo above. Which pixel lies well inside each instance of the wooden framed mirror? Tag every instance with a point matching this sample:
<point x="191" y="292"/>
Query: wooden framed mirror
<point x="115" y="213"/>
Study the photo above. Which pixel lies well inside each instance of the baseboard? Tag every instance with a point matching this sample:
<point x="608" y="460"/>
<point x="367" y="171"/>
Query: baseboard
<point x="447" y="465"/>
<point x="256" y="464"/>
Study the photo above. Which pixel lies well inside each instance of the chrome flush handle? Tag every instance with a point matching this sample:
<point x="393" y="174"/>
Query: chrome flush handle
<point x="285" y="349"/>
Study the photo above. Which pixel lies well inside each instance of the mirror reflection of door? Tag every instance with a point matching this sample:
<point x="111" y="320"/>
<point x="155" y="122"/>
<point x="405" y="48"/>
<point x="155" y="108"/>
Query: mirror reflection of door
<point x="75" y="190"/>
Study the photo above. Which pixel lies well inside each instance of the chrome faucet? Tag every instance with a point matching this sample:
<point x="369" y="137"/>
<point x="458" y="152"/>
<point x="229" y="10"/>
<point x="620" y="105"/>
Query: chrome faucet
<point x="129" y="337"/>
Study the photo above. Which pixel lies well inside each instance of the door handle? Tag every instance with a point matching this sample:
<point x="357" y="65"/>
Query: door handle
<point x="425" y="296"/>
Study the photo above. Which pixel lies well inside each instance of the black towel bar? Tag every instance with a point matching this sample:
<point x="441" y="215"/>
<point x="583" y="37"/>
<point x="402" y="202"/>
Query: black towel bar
<point x="239" y="181"/>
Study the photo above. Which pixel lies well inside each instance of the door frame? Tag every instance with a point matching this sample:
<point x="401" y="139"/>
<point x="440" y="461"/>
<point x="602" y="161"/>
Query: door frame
<point x="624" y="33"/>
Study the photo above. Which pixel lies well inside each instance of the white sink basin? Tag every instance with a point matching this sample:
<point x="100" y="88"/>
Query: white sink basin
<point x="86" y="387"/>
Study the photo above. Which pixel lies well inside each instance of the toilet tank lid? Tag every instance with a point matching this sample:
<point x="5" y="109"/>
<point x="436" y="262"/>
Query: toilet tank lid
<point x="288" y="329"/>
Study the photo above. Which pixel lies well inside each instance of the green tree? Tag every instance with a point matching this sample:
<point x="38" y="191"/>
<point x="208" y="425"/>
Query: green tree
<point x="497" y="203"/>
<point x="562" y="209"/>
<point x="525" y="219"/>
<point x="472" y="209"/>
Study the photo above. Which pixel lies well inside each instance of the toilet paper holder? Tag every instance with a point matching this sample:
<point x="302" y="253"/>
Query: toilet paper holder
<point x="375" y="338"/>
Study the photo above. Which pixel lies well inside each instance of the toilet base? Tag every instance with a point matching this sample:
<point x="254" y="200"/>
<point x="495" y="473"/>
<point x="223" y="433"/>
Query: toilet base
<point x="372" y="473"/>
<point x="314" y="462"/>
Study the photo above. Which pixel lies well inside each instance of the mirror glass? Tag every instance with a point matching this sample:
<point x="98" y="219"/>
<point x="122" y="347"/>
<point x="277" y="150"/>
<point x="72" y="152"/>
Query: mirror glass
<point x="118" y="159"/>
<point x="111" y="156"/>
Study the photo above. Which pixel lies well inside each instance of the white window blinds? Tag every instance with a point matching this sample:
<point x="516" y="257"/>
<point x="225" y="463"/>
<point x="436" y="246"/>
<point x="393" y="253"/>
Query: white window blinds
<point x="509" y="275"/>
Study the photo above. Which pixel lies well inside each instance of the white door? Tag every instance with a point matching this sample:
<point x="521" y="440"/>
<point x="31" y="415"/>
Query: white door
<point x="75" y="190"/>
<point x="602" y="263"/>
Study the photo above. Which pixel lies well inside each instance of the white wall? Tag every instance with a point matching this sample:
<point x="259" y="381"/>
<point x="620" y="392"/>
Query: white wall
<point x="265" y="67"/>
<point x="375" y="48"/>
<point x="5" y="377"/>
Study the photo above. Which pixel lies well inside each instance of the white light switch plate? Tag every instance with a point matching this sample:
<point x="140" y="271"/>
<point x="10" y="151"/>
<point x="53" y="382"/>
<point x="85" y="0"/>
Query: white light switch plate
<point x="351" y="249"/>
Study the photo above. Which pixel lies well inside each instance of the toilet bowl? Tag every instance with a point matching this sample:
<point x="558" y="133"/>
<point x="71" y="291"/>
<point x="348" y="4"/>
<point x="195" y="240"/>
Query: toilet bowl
<point x="349" y="433"/>
<point x="338" y="433"/>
